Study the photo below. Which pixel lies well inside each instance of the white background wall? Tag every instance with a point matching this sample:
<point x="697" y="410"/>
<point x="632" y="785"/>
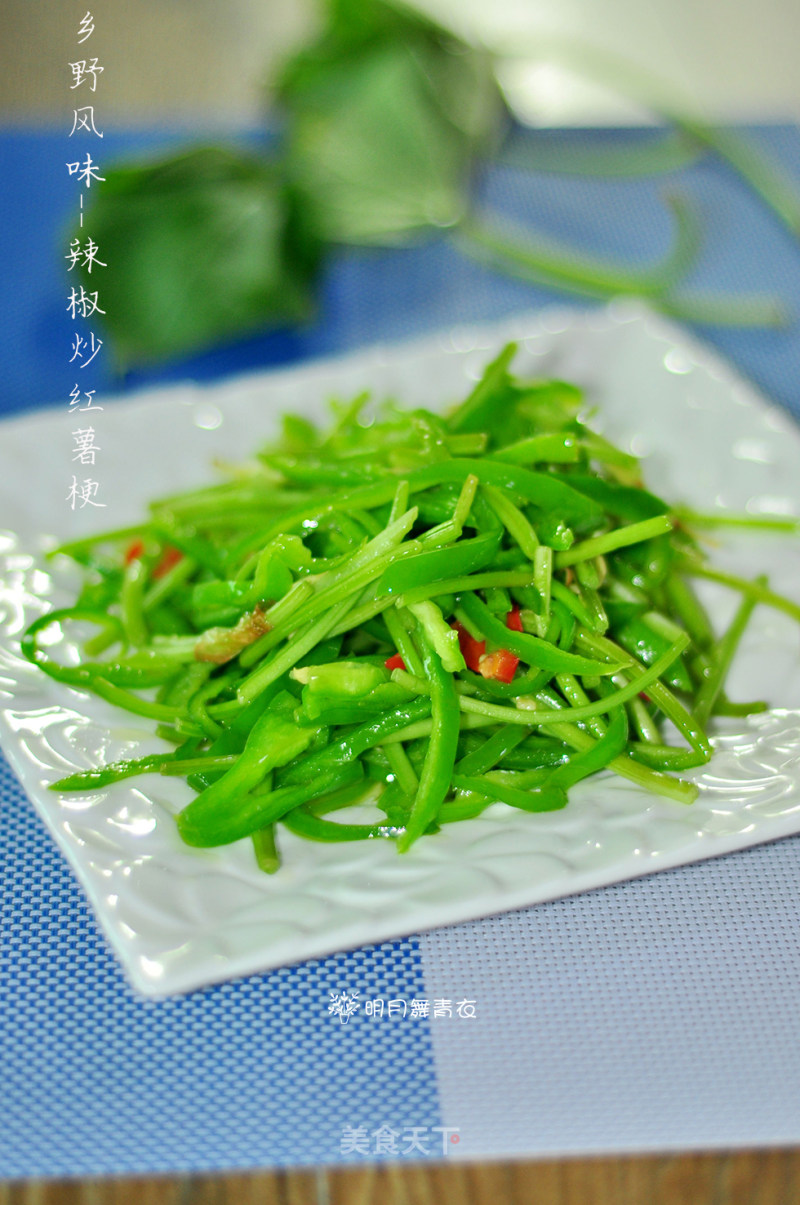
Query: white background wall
<point x="207" y="59"/>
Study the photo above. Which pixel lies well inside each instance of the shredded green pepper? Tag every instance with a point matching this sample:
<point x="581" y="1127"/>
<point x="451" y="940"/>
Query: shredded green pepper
<point x="432" y="615"/>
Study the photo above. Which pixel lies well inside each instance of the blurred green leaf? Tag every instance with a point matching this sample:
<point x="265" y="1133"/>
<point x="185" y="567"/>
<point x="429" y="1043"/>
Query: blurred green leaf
<point x="386" y="114"/>
<point x="387" y="118"/>
<point x="201" y="248"/>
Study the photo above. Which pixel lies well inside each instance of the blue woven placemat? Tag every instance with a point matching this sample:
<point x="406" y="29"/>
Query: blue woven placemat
<point x="652" y="1015"/>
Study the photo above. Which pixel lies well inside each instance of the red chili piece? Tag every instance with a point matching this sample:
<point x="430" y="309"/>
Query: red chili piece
<point x="501" y="666"/>
<point x="395" y="662"/>
<point x="514" y="620"/>
<point x="169" y="557"/>
<point x="134" y="551"/>
<point x="471" y="649"/>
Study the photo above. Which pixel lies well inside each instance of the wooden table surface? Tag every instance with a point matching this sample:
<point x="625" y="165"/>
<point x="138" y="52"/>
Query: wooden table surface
<point x="769" y="1177"/>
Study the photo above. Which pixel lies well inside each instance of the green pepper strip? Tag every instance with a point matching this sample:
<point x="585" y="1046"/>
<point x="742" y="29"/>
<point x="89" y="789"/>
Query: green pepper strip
<point x="338" y="712"/>
<point x="220" y="813"/>
<point x="106" y="679"/>
<point x="495" y="747"/>
<point x="590" y="761"/>
<point x="536" y="753"/>
<point x="234" y="736"/>
<point x="539" y="799"/>
<point x="254" y="811"/>
<point x="320" y="472"/>
<point x="473" y="443"/>
<point x="557" y="447"/>
<point x="437" y="769"/>
<point x="665" y="757"/>
<point x="533" y="650"/>
<point x="343" y="797"/>
<point x="545" y="490"/>
<point x="622" y="501"/>
<point x="441" y="636"/>
<point x="72" y="675"/>
<point x="466" y="807"/>
<point x="521" y="684"/>
<point x="640" y="636"/>
<point x="473" y="407"/>
<point x="96" y="779"/>
<point x="304" y="824"/>
<point x="203" y="763"/>
<point x="465" y="556"/>
<point x="597" y="447"/>
<point x="357" y="741"/>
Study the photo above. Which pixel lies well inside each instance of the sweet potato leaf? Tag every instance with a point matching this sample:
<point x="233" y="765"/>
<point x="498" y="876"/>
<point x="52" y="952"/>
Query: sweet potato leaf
<point x="386" y="115"/>
<point x="201" y="248"/>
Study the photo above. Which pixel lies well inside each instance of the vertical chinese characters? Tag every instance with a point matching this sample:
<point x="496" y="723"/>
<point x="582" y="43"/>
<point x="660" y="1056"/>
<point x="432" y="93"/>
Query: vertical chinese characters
<point x="84" y="255"/>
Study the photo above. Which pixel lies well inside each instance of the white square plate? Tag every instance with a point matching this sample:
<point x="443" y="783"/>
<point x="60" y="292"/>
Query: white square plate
<point x="180" y="917"/>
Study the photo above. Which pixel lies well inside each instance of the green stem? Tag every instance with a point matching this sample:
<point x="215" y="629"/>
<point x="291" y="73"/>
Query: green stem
<point x="585" y="272"/>
<point x="557" y="268"/>
<point x="266" y="849"/>
<point x="669" y="152"/>
<point x="722" y="656"/>
<point x="787" y="523"/>
<point x="621" y="537"/>
<point x="757" y="591"/>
